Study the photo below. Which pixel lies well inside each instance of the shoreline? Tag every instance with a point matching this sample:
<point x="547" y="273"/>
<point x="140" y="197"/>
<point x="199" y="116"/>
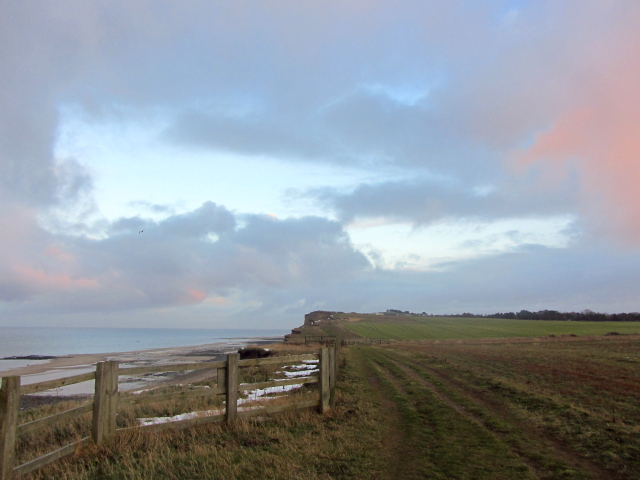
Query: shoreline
<point x="68" y="365"/>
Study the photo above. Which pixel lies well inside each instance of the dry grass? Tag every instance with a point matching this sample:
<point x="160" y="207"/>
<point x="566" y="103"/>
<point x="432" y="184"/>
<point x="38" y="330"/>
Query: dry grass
<point x="299" y="444"/>
<point x="550" y="409"/>
<point x="34" y="444"/>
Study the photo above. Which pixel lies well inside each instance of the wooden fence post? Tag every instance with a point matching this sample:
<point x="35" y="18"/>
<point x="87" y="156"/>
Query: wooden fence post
<point x="333" y="364"/>
<point x="325" y="379"/>
<point x="232" y="387"/>
<point x="9" y="400"/>
<point x="105" y="402"/>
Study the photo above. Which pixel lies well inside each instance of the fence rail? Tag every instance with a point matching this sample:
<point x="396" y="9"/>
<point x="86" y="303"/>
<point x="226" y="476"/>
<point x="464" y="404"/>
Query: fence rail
<point x="324" y="339"/>
<point x="107" y="399"/>
<point x="365" y="341"/>
<point x="332" y="340"/>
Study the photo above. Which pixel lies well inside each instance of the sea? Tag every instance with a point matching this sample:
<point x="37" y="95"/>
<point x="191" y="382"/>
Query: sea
<point x="60" y="341"/>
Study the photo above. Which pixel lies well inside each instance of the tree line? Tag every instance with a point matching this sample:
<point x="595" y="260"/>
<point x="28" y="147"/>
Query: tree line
<point x="583" y="316"/>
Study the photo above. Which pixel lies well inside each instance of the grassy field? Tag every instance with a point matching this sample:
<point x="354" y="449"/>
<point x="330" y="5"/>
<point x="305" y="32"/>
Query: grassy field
<point x="536" y="408"/>
<point x="548" y="408"/>
<point x="442" y="328"/>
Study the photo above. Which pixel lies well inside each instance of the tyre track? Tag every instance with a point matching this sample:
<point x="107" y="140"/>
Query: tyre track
<point x="562" y="452"/>
<point x="397" y="382"/>
<point x="397" y="445"/>
<point x="468" y="415"/>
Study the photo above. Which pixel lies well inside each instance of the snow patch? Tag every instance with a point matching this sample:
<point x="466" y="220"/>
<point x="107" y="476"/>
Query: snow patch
<point x="303" y="373"/>
<point x="304" y="370"/>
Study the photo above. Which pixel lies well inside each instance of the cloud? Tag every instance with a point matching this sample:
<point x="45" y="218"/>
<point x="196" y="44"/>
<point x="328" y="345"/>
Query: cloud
<point x="531" y="277"/>
<point x="209" y="218"/>
<point x="255" y="135"/>
<point x="282" y="267"/>
<point x="593" y="130"/>
<point x="424" y="201"/>
<point x="599" y="139"/>
<point x="175" y="261"/>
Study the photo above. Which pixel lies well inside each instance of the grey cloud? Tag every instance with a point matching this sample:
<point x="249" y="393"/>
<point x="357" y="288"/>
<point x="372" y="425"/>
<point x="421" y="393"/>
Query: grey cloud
<point x="532" y="278"/>
<point x="39" y="55"/>
<point x="213" y="51"/>
<point x="80" y="59"/>
<point x="173" y="262"/>
<point x="209" y="218"/>
<point x="26" y="169"/>
<point x="315" y="107"/>
<point x="424" y="201"/>
<point x="360" y="128"/>
<point x="288" y="267"/>
<point x="411" y="136"/>
<point x="309" y="250"/>
<point x="13" y="291"/>
<point x="127" y="225"/>
<point x="256" y="135"/>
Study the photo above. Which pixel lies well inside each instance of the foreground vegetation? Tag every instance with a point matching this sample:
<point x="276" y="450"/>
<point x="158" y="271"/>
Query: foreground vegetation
<point x="300" y="444"/>
<point x="547" y="408"/>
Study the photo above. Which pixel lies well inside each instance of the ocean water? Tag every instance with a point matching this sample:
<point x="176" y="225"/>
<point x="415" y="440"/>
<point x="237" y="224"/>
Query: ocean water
<point x="17" y="341"/>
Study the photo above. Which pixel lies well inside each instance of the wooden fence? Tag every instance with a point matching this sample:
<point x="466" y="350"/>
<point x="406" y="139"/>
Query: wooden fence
<point x="332" y="340"/>
<point x="324" y="339"/>
<point x="107" y="400"/>
<point x="364" y="341"/>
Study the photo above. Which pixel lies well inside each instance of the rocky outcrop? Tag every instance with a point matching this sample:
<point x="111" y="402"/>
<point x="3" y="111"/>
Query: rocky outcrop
<point x="314" y="318"/>
<point x="312" y="326"/>
<point x="295" y="336"/>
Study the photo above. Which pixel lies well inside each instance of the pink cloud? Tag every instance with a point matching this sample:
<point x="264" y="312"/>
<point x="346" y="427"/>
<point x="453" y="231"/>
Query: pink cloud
<point x="597" y="135"/>
<point x="48" y="282"/>
<point x="58" y="252"/>
<point x="195" y="296"/>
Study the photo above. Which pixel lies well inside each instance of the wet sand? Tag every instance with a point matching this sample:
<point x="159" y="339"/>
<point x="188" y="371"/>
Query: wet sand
<point x="76" y="364"/>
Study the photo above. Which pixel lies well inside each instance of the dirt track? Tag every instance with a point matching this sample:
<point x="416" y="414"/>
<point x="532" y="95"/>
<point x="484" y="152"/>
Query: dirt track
<point x="434" y="407"/>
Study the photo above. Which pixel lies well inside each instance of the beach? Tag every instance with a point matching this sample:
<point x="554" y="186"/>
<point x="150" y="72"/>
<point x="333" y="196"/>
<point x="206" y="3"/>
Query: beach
<point x="68" y="365"/>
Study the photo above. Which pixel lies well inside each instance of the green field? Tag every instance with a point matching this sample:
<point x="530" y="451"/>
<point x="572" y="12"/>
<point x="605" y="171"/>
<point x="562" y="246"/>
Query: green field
<point x="445" y="328"/>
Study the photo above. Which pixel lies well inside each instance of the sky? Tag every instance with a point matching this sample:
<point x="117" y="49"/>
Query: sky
<point x="215" y="164"/>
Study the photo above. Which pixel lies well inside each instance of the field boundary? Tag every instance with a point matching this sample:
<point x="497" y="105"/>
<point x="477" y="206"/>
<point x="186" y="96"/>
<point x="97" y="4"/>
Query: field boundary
<point x="365" y="341"/>
<point x="107" y="399"/>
